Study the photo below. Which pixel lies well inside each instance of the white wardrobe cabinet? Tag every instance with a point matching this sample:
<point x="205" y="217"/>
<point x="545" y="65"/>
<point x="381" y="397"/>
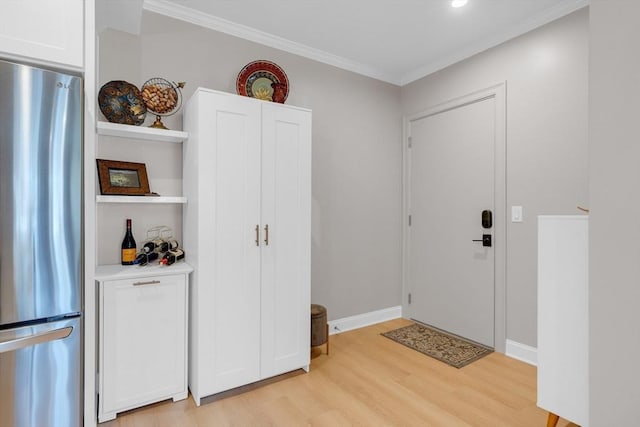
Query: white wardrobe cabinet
<point x="44" y="31"/>
<point x="247" y="175"/>
<point x="563" y="320"/>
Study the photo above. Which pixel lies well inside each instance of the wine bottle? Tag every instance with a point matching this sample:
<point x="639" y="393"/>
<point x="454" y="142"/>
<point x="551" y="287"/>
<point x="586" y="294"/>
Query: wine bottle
<point x="148" y="247"/>
<point x="141" y="259"/>
<point x="146" y="258"/>
<point x="173" y="245"/>
<point x="172" y="256"/>
<point x="128" y="253"/>
<point x="160" y="245"/>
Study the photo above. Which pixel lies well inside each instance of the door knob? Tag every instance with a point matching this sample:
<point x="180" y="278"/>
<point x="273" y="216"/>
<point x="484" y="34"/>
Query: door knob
<point x="486" y="240"/>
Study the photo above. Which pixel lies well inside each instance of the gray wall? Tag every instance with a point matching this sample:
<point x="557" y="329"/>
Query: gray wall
<point x="357" y="128"/>
<point x="546" y="78"/>
<point x="356" y="222"/>
<point x="614" y="233"/>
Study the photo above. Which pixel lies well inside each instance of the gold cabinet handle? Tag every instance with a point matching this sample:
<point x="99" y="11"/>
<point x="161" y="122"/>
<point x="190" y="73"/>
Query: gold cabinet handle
<point x="257" y="235"/>
<point x="266" y="234"/>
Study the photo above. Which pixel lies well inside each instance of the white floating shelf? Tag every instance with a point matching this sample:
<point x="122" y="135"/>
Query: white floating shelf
<point x="141" y="132"/>
<point x="141" y="199"/>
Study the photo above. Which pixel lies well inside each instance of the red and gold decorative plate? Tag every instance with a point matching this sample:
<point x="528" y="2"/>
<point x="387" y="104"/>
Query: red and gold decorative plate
<point x="258" y="78"/>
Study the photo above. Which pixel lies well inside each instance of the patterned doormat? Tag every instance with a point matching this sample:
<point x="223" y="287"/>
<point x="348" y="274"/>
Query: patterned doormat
<point x="450" y="349"/>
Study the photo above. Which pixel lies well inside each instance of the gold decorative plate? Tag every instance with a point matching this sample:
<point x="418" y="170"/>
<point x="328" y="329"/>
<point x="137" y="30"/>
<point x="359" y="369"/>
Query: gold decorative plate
<point x="256" y="78"/>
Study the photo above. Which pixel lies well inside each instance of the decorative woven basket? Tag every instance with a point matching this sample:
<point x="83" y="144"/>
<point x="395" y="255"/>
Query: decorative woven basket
<point x="318" y="325"/>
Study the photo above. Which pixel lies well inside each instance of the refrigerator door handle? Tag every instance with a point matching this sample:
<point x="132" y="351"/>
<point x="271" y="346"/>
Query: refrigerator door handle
<point x="22" y="342"/>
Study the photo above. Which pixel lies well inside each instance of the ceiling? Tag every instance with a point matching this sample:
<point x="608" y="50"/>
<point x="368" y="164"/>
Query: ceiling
<point x="397" y="41"/>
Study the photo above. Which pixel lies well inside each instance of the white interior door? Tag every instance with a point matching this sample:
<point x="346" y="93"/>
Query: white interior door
<point x="452" y="180"/>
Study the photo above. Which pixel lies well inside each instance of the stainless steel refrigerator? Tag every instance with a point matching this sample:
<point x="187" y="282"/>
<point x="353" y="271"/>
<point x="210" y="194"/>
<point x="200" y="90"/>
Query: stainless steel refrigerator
<point x="40" y="247"/>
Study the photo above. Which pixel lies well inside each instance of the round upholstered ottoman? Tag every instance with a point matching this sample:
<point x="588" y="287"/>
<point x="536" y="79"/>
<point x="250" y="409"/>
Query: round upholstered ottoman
<point x="319" y="326"/>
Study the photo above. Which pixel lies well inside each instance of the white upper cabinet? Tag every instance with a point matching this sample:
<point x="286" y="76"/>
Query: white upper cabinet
<point x="43" y="31"/>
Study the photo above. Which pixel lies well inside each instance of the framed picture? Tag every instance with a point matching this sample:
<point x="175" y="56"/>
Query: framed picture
<point x="122" y="178"/>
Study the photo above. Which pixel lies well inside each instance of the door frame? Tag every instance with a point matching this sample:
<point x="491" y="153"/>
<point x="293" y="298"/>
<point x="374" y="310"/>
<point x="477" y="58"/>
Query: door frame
<point x="498" y="93"/>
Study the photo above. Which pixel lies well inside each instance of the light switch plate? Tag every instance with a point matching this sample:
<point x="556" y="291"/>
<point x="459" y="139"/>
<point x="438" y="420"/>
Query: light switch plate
<point x="516" y="213"/>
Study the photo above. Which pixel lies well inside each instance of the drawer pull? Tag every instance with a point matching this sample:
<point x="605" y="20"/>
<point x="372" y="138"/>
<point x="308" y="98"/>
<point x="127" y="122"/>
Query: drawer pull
<point x="150" y="282"/>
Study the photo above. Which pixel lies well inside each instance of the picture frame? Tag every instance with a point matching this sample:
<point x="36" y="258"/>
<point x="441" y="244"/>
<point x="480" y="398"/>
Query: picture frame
<point x="122" y="178"/>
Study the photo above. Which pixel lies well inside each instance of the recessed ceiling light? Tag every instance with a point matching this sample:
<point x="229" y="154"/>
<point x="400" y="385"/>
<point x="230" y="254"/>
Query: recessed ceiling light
<point x="458" y="3"/>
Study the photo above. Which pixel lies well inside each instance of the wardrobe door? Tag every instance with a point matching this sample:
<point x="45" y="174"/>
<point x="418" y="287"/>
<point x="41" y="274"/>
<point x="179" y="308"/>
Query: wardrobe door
<point x="286" y="238"/>
<point x="229" y="267"/>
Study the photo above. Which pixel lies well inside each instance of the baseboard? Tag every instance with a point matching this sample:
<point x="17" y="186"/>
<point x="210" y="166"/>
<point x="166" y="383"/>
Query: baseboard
<point x="522" y="352"/>
<point x="364" y="319"/>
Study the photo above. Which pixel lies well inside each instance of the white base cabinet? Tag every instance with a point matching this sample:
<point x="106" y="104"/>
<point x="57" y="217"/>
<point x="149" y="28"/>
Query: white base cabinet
<point x="247" y="175"/>
<point x="563" y="317"/>
<point x="143" y="336"/>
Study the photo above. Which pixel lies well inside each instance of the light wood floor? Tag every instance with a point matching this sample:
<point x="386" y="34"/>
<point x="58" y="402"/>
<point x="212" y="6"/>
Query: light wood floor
<point x="369" y="380"/>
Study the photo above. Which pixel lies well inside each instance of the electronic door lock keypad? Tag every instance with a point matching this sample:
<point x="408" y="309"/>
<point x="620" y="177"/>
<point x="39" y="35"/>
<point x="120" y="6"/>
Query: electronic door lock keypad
<point x="487" y="219"/>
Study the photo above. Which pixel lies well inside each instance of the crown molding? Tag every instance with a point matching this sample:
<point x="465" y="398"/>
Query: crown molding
<point x="170" y="9"/>
<point x="558" y="11"/>
<point x="173" y="10"/>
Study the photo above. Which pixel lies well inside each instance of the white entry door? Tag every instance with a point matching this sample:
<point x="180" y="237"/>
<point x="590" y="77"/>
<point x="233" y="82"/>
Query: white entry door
<point x="452" y="175"/>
